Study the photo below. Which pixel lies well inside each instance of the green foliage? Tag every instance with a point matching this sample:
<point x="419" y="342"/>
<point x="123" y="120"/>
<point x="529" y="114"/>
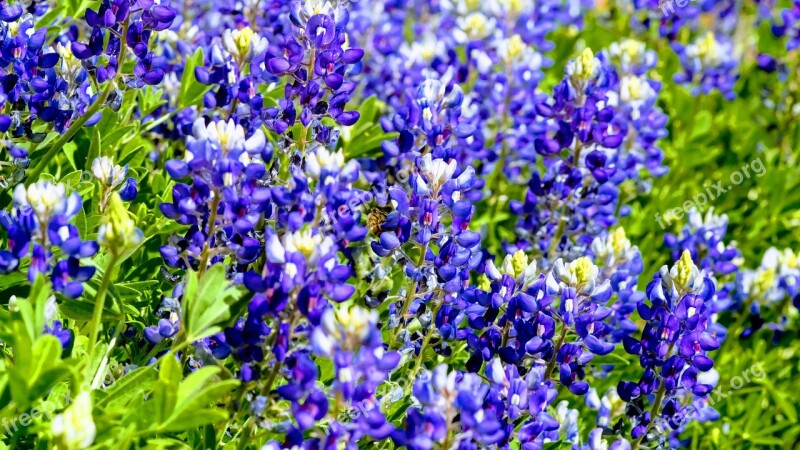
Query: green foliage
<point x="364" y="139"/>
<point x="211" y="304"/>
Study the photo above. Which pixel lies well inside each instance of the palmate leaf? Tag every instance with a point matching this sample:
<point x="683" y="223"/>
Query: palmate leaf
<point x="179" y="405"/>
<point x="130" y="389"/>
<point x="36" y="369"/>
<point x="196" y="392"/>
<point x="365" y="137"/>
<point x="211" y="303"/>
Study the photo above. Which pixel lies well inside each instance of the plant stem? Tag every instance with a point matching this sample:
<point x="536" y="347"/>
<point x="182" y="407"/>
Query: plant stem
<point x="278" y="365"/>
<point x="662" y="390"/>
<point x="117" y="331"/>
<point x="98" y="104"/>
<point x="212" y="220"/>
<point x="312" y="61"/>
<point x="77" y="125"/>
<point x="98" y="378"/>
<point x="552" y="364"/>
<point x="653" y="413"/>
<point x="412" y="292"/>
<point x="425" y="341"/>
<point x="99" y="302"/>
<point x="246" y="438"/>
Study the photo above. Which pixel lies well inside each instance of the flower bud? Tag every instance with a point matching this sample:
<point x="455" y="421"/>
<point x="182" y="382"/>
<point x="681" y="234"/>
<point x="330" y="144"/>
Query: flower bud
<point x="74" y="428"/>
<point x="582" y="270"/>
<point x="685" y="270"/>
<point x="585" y="67"/>
<point x="620" y="242"/>
<point x="117" y="230"/>
<point x="109" y="174"/>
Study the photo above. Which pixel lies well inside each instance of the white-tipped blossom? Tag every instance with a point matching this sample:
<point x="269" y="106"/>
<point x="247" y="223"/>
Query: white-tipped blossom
<point x="108" y="173"/>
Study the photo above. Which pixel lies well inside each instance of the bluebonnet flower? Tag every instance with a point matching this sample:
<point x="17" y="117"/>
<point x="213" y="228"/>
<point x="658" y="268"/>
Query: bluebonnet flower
<point x="115" y="18"/>
<point x="703" y="238"/>
<point x="582" y="308"/>
<point x="321" y="86"/>
<point x="622" y="264"/>
<point x="225" y="167"/>
<point x="790" y="26"/>
<point x="129" y="190"/>
<point x="110" y="177"/>
<point x="766" y="292"/>
<point x="31" y="81"/>
<point x="444" y="396"/>
<point x="634" y="95"/>
<point x="352" y="340"/>
<point x="38" y="224"/>
<point x="673" y="349"/>
<point x="52" y="326"/>
<point x="575" y="197"/>
<point x="709" y="63"/>
<point x="63" y="335"/>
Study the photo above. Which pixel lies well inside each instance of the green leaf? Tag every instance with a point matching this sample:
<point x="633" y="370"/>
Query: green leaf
<point x="369" y="113"/>
<point x="367" y="143"/>
<point x="556" y="445"/>
<point x="69" y="150"/>
<point x="94" y="148"/>
<point x="192" y="91"/>
<point x="129" y="387"/>
<point x="196" y="419"/>
<point x="165" y="395"/>
<point x="36" y="369"/>
<point x="701" y="125"/>
<point x="211" y="303"/>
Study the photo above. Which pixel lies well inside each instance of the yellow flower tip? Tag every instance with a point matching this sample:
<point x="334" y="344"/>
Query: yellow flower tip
<point x="243" y="39"/>
<point x="584" y="67"/>
<point x="583" y="270"/>
<point x="631" y="47"/>
<point x="791" y="259"/>
<point x="519" y="262"/>
<point x="305" y="242"/>
<point x="708" y="47"/>
<point x="484" y="283"/>
<point x="764" y="279"/>
<point x="685" y="267"/>
<point x="117" y="230"/>
<point x="513" y="7"/>
<point x="587" y="57"/>
<point x="619" y="241"/>
<point x="515" y="46"/>
<point x="355" y="323"/>
<point x="476" y="25"/>
<point x="473" y="4"/>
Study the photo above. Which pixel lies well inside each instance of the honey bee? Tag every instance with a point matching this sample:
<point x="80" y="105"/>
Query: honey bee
<point x="375" y="220"/>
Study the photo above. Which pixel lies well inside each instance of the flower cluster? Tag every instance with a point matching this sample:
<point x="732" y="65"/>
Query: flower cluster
<point x="709" y="63"/>
<point x="600" y="128"/>
<point x="40" y="224"/>
<point x="769" y="292"/>
<point x="673" y="348"/>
